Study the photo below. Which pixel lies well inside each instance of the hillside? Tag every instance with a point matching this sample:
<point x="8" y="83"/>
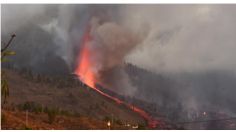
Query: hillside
<point x="187" y="97"/>
<point x="17" y="119"/>
<point x="67" y="94"/>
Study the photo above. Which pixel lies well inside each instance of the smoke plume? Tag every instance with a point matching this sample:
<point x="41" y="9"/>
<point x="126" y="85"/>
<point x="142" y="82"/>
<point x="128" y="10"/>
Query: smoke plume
<point x="111" y="43"/>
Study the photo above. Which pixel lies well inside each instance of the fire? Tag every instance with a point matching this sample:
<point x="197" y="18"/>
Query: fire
<point x="87" y="76"/>
<point x="84" y="69"/>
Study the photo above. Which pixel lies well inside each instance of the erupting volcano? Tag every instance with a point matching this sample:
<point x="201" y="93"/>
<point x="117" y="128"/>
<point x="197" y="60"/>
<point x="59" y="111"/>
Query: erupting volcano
<point x="84" y="71"/>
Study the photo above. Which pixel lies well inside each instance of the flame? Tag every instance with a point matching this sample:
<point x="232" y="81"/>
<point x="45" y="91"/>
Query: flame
<point x="87" y="76"/>
<point x="84" y="69"/>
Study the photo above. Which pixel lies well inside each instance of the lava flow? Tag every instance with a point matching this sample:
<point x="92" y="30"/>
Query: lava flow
<point x="86" y="75"/>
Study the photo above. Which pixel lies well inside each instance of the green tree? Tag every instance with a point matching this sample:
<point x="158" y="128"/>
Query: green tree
<point x="4" y="54"/>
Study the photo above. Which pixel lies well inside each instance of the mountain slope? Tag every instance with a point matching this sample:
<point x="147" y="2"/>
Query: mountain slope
<point x="67" y="94"/>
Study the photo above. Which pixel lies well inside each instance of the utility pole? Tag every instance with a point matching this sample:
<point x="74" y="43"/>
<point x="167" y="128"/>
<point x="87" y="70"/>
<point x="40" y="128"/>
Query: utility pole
<point x="26" y="118"/>
<point x="112" y="119"/>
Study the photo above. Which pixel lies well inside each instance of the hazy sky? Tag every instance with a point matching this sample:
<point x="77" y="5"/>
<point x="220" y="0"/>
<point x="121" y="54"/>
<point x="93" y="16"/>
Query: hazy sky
<point x="177" y="38"/>
<point x="185" y="38"/>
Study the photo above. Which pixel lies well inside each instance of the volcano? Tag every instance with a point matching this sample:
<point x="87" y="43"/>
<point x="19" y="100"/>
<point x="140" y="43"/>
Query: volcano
<point x="84" y="71"/>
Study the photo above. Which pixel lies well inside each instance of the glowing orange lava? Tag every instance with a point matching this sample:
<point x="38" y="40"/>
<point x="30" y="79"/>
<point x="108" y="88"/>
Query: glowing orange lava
<point x="87" y="76"/>
<point x="84" y="69"/>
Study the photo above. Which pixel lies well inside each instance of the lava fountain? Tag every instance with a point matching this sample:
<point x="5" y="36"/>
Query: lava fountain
<point x="84" y="71"/>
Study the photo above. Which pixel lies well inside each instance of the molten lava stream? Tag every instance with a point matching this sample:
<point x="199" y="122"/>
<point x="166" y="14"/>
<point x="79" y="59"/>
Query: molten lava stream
<point x="87" y="76"/>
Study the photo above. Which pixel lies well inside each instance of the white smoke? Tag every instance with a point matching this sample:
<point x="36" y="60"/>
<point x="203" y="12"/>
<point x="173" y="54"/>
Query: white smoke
<point x="111" y="43"/>
<point x="178" y="37"/>
<point x="184" y="38"/>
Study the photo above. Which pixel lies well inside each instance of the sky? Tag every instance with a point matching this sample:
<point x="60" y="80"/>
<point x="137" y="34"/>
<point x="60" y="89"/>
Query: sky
<point x="180" y="38"/>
